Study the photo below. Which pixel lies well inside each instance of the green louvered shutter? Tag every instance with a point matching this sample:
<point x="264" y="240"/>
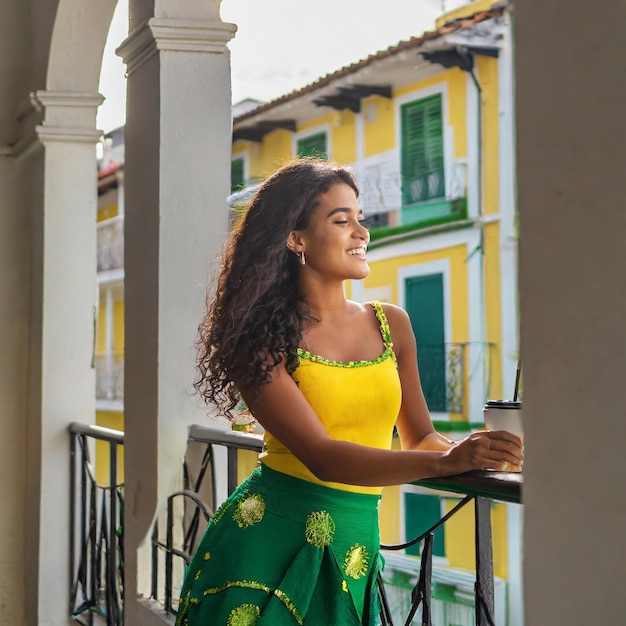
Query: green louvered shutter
<point x="314" y="146"/>
<point x="425" y="306"/>
<point x="236" y="175"/>
<point x="422" y="151"/>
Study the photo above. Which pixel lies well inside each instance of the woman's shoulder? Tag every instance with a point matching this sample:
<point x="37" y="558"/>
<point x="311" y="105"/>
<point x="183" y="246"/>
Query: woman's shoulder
<point x="395" y="316"/>
<point x="393" y="312"/>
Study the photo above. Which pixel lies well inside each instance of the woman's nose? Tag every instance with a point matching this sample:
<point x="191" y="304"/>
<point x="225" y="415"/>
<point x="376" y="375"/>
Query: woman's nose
<point x="362" y="232"/>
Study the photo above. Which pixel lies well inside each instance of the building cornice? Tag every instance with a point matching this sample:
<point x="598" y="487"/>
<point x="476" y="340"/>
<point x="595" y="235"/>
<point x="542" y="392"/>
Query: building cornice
<point x="65" y="134"/>
<point x="41" y="100"/>
<point x="41" y="115"/>
<point x="177" y="35"/>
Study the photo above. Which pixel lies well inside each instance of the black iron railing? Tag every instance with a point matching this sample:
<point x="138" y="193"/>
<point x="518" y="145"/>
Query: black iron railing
<point x="442" y="374"/>
<point x="96" y="531"/>
<point x="481" y="487"/>
<point x="478" y="487"/>
<point x="198" y="502"/>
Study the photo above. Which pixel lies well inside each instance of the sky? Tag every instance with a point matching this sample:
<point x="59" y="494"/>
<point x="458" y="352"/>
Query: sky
<point x="282" y="45"/>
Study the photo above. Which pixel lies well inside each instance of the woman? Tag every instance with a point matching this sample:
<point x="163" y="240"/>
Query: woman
<point x="298" y="542"/>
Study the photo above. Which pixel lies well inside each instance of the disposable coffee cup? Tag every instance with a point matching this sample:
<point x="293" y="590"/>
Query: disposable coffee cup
<point x="504" y="415"/>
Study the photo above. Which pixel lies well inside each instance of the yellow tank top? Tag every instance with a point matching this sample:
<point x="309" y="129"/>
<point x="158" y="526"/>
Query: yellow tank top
<point x="357" y="401"/>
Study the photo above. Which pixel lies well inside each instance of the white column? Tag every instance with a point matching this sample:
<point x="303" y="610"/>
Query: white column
<point x="509" y="293"/>
<point x="61" y="379"/>
<point x="177" y="165"/>
<point x="571" y="154"/>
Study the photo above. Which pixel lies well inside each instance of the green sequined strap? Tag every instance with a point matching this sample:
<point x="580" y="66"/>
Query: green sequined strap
<point x="384" y="326"/>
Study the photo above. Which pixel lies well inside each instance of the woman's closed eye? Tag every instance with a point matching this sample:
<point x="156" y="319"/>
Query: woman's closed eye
<point x="363" y="221"/>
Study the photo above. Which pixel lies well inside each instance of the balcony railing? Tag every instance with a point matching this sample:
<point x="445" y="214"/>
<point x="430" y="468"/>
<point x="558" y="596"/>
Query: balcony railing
<point x="109" y="377"/>
<point x="189" y="509"/>
<point x="110" y="239"/>
<point x="442" y="373"/>
<point x="481" y="488"/>
<point x="96" y="529"/>
<point x="478" y="487"/>
<point x="97" y="563"/>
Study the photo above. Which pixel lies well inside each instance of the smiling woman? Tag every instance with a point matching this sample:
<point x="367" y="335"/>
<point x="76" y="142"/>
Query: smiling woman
<point x="298" y="541"/>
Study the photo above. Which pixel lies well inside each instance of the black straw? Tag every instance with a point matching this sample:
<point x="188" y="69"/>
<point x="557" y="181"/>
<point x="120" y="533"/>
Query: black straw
<point x="517" y="376"/>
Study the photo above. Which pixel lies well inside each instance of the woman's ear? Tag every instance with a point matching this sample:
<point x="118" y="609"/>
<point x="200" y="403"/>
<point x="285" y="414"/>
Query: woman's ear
<point x="294" y="242"/>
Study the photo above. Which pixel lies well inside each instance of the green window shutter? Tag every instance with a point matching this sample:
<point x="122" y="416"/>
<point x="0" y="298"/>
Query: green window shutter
<point x="422" y="162"/>
<point x="421" y="512"/>
<point x="314" y="146"/>
<point x="424" y="304"/>
<point x="236" y="175"/>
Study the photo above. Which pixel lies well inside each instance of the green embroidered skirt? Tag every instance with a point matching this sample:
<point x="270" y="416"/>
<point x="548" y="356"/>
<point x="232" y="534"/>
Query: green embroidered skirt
<point x="282" y="551"/>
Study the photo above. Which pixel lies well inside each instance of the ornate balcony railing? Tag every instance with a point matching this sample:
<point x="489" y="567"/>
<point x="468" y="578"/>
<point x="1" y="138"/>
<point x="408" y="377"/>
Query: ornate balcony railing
<point x="109" y="377"/>
<point x="445" y="374"/>
<point x="442" y="373"/>
<point x="110" y="240"/>
<point x="96" y="529"/>
<point x="198" y="503"/>
<point x="481" y="488"/>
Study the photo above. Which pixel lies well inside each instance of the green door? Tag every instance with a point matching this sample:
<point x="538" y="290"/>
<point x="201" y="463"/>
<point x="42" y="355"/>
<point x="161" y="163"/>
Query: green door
<point x="424" y="304"/>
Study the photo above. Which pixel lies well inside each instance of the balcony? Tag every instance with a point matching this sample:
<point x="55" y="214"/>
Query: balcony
<point x="110" y="241"/>
<point x="96" y="531"/>
<point x="442" y="373"/>
<point x="109" y="378"/>
<point x="97" y="536"/>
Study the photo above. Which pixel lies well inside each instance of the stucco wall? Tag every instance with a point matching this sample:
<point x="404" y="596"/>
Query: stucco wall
<point x="14" y="308"/>
<point x="571" y="155"/>
<point x="14" y="298"/>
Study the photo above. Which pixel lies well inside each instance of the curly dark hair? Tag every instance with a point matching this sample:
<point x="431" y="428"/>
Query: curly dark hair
<point x="255" y="318"/>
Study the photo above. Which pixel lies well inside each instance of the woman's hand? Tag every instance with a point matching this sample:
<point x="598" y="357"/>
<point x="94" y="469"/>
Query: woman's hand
<point x="484" y="450"/>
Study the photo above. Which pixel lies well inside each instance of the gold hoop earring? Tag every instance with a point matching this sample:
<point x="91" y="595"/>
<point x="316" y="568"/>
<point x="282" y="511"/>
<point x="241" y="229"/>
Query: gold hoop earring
<point x="302" y="259"/>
